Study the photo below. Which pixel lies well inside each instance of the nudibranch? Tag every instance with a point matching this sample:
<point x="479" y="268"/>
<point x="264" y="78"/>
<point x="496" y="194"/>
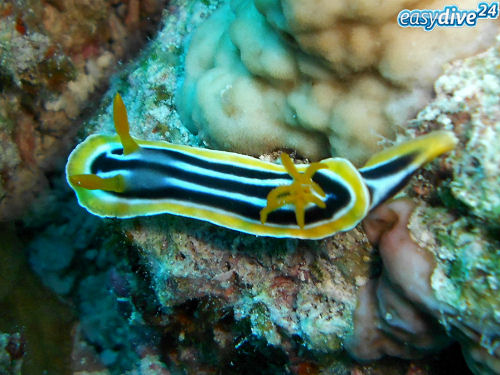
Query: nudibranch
<point x="119" y="176"/>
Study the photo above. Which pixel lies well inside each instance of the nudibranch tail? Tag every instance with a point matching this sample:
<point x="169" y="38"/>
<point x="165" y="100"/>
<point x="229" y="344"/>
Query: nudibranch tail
<point x="388" y="171"/>
<point x="118" y="176"/>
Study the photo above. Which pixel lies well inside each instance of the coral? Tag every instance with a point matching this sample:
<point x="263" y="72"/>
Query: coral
<point x="53" y="57"/>
<point x="442" y="261"/>
<point x="11" y="353"/>
<point x="283" y="288"/>
<point x="107" y="320"/>
<point x="85" y="360"/>
<point x="387" y="319"/>
<point x="55" y="248"/>
<point x="464" y="281"/>
<point x="439" y="280"/>
<point x="237" y="106"/>
<point x="85" y="261"/>
<point x="290" y="291"/>
<point x="464" y="239"/>
<point x="224" y="302"/>
<point x="467" y="97"/>
<point x="267" y="74"/>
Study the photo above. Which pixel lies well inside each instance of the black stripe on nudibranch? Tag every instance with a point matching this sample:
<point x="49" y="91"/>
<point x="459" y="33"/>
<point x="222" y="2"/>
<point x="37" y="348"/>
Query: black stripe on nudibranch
<point x="391" y="167"/>
<point x="165" y="162"/>
<point x="163" y="155"/>
<point x="385" y="179"/>
<point x="237" y="189"/>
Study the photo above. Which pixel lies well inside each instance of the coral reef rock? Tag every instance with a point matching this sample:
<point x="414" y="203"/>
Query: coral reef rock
<point x="11" y="353"/>
<point x="266" y="74"/>
<point x="53" y="57"/>
<point x="441" y="256"/>
<point x="168" y="294"/>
